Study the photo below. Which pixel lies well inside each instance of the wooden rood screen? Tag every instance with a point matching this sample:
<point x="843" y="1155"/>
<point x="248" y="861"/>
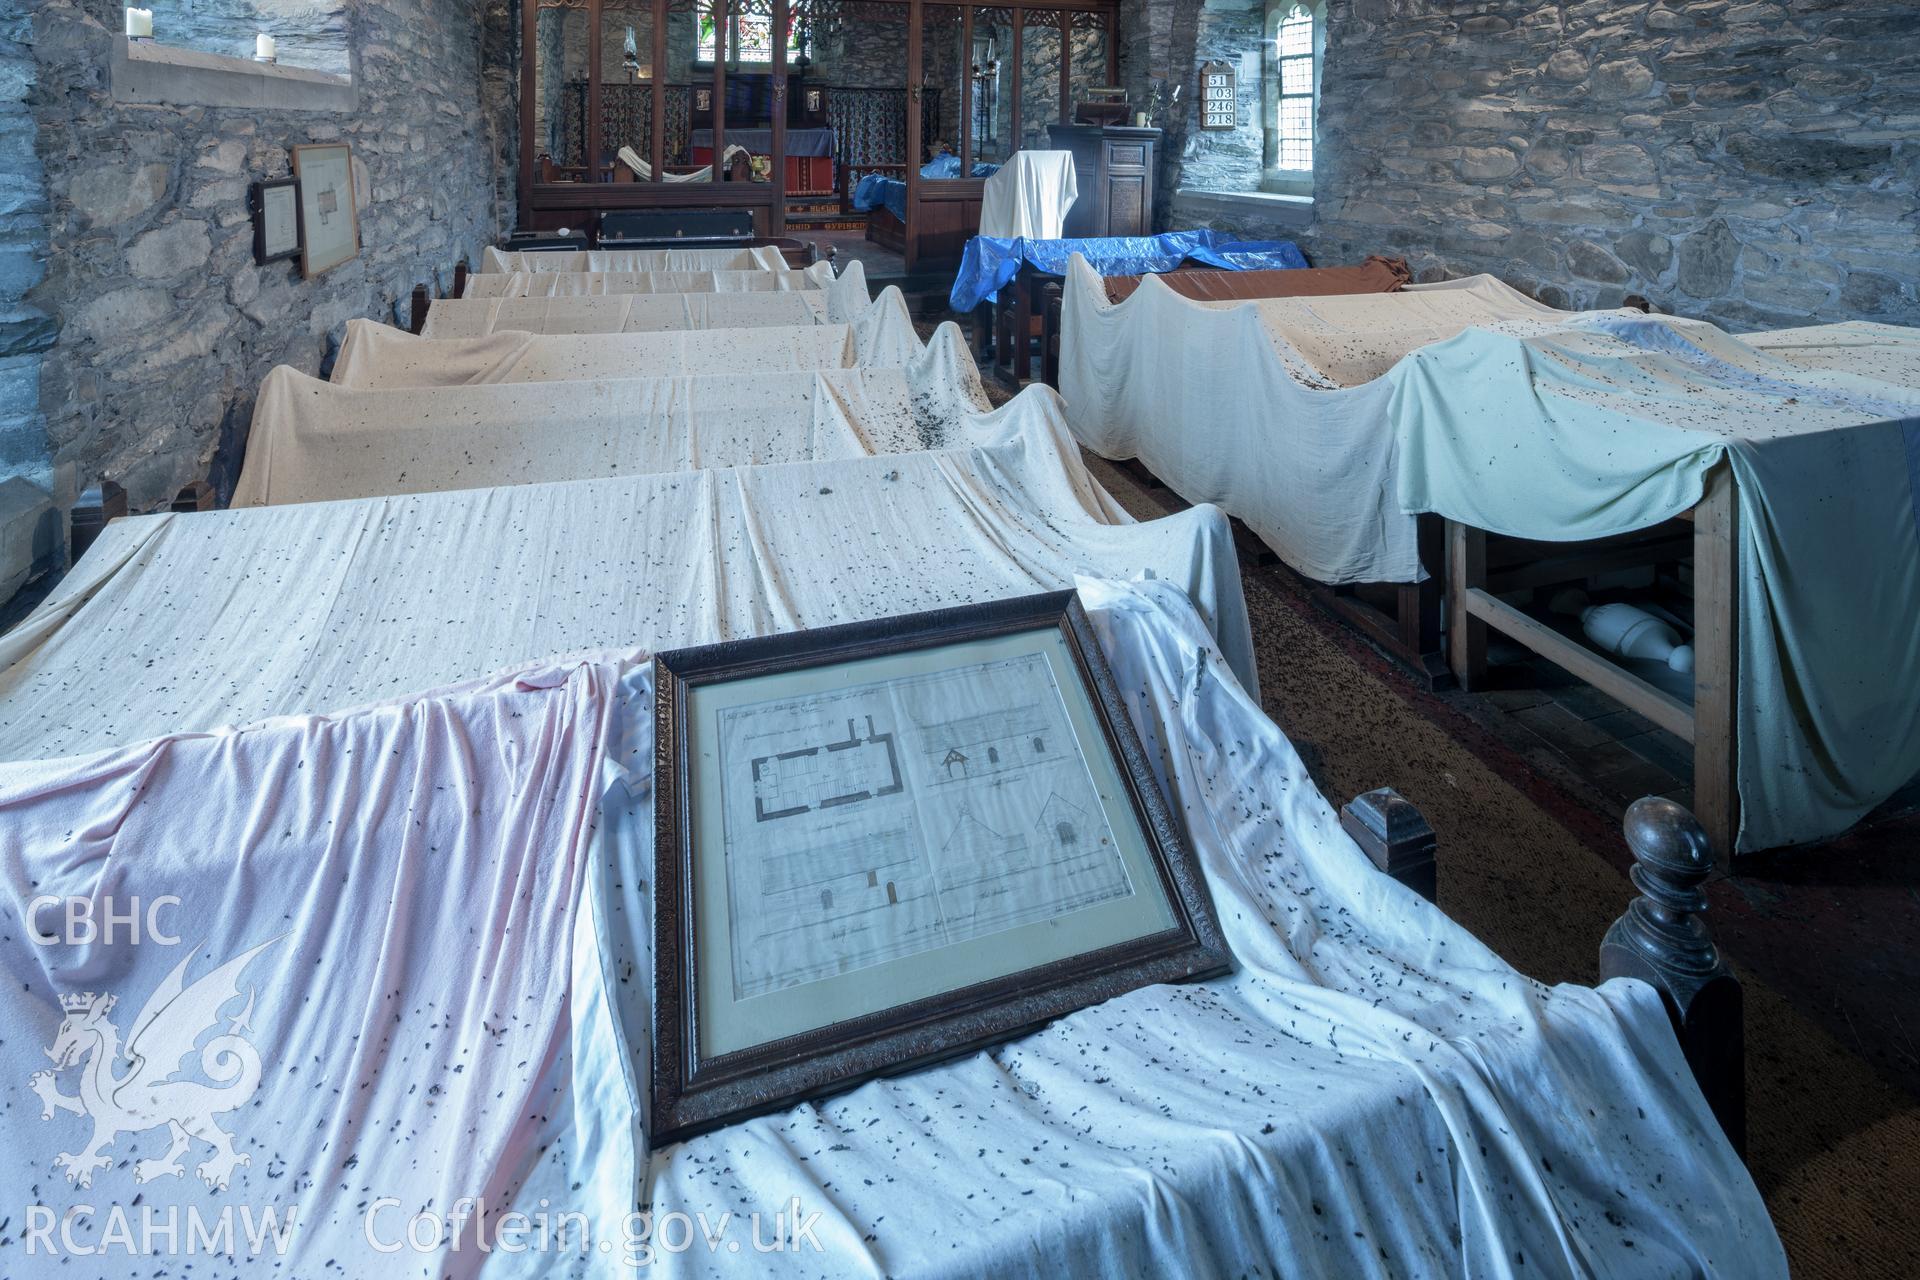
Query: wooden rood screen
<point x="819" y="93"/>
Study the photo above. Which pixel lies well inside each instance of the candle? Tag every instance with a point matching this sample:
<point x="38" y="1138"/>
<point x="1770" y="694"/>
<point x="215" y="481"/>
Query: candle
<point x="140" y="23"/>
<point x="263" y="47"/>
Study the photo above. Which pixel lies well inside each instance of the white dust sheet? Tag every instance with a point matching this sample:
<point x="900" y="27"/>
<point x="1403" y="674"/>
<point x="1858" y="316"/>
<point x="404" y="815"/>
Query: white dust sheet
<point x="1029" y="196"/>
<point x="448" y="965"/>
<point x="313" y="441"/>
<point x="764" y="257"/>
<point x="855" y="332"/>
<point x="839" y="301"/>
<point x="1275" y="408"/>
<point x="176" y="622"/>
<point x="377" y="356"/>
<point x="317" y="440"/>
<point x="1325" y="423"/>
<point x="1609" y="424"/>
<point x="573" y="284"/>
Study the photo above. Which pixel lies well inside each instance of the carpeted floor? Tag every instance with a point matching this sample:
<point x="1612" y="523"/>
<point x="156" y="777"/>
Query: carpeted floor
<point x="1833" y="1146"/>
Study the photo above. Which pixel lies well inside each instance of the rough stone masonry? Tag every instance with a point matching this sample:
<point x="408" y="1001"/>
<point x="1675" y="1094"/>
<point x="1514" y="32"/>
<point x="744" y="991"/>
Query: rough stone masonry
<point x="166" y="326"/>
<point x="1755" y="164"/>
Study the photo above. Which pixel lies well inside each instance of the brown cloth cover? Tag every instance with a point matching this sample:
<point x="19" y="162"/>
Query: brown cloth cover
<point x="1375" y="275"/>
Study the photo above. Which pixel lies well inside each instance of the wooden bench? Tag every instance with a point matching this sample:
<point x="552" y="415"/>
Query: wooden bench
<point x="1474" y="606"/>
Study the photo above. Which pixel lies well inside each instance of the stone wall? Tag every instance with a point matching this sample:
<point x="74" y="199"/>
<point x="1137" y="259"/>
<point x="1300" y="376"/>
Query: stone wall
<point x="500" y="103"/>
<point x="1751" y="163"/>
<point x="25" y="331"/>
<point x="1228" y="31"/>
<point x="307" y="33"/>
<point x="166" y="325"/>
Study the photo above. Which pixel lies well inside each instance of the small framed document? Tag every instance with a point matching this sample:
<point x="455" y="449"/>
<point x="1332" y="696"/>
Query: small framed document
<point x="883" y="844"/>
<point x="276" y="219"/>
<point x="329" y="219"/>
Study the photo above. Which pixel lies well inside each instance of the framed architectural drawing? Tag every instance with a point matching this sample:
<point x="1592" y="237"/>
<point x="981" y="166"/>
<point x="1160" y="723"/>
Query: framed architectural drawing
<point x="329" y="220"/>
<point x="275" y="205"/>
<point x="886" y="843"/>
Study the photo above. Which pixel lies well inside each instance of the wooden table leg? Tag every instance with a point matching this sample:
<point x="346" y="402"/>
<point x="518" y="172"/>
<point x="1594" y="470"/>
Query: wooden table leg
<point x="1466" y="634"/>
<point x="1022" y="329"/>
<point x="1716" y="650"/>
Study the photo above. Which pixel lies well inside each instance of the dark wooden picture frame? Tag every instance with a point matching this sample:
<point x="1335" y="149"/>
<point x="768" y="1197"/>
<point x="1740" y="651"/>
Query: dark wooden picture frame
<point x="264" y="253"/>
<point x="304" y="153"/>
<point x="690" y="1095"/>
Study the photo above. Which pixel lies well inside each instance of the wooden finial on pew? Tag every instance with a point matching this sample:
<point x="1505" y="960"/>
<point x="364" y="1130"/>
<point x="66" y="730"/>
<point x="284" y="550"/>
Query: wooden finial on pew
<point x="1663" y="941"/>
<point x="1396" y="838"/>
<point x="460" y="270"/>
<point x="197" y="496"/>
<point x="103" y="502"/>
<point x="421" y="301"/>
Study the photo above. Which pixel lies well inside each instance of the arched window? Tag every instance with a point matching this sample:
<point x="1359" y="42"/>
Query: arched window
<point x="1290" y="66"/>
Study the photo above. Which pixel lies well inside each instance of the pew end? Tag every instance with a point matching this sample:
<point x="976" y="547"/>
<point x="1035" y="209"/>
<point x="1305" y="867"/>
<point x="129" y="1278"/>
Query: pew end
<point x="1396" y="837"/>
<point x="1663" y="940"/>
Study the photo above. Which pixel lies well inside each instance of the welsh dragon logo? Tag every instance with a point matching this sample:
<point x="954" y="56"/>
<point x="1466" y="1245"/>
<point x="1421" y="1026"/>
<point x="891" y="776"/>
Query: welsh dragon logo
<point x="148" y="1094"/>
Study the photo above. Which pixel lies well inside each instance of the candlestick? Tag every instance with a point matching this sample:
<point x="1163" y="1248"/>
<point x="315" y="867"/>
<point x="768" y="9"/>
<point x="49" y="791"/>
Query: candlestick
<point x="140" y="24"/>
<point x="263" y="48"/>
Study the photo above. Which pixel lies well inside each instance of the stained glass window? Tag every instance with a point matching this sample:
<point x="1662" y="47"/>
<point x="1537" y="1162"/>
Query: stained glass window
<point x="752" y="39"/>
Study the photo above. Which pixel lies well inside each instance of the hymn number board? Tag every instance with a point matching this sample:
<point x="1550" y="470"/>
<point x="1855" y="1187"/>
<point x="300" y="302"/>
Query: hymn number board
<point x="1219" y="96"/>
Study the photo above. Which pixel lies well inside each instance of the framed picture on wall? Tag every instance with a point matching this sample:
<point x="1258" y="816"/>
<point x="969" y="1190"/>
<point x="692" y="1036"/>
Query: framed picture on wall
<point x="329" y="219"/>
<point x="885" y="843"/>
<point x="275" y="205"/>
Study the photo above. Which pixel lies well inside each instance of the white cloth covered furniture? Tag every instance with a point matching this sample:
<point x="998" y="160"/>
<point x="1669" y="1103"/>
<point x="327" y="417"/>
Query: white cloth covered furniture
<point x="1277" y="409"/>
<point x="638" y="163"/>
<point x="839" y="300"/>
<point x="1326" y="423"/>
<point x="1371" y="1092"/>
<point x="879" y="334"/>
<point x="175" y="622"/>
<point x="623" y="313"/>
<point x="764" y="257"/>
<point x="313" y="441"/>
<point x="377" y="356"/>
<point x="583" y="284"/>
<point x="1029" y="196"/>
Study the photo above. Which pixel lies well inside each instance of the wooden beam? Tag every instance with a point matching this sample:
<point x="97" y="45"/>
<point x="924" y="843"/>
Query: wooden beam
<point x="1466" y="571"/>
<point x="1618" y="683"/>
<point x="722" y="46"/>
<point x="777" y="211"/>
<point x="1716" y="648"/>
<point x="916" y="81"/>
<point x="595" y="142"/>
<point x="1019" y="28"/>
<point x="657" y="149"/>
<point x="1066" y="66"/>
<point x="529" y="91"/>
<point x="966" y="92"/>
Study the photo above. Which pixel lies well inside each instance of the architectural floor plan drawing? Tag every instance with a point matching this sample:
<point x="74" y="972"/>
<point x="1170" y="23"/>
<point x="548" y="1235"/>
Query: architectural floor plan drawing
<point x="880" y="821"/>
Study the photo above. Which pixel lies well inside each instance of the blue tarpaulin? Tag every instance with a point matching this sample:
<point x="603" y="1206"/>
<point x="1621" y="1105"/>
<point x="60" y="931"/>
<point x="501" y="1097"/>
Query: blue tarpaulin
<point x="877" y="189"/>
<point x="989" y="264"/>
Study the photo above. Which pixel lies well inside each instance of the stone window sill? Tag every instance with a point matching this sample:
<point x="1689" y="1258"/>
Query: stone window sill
<point x="1268" y="205"/>
<point x="161" y="75"/>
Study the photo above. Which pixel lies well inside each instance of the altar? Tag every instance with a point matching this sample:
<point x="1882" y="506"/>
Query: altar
<point x="810" y="155"/>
